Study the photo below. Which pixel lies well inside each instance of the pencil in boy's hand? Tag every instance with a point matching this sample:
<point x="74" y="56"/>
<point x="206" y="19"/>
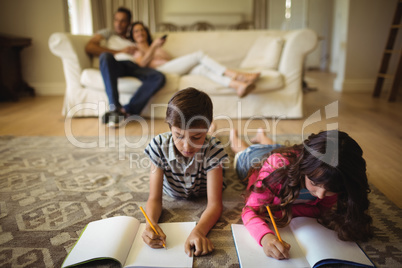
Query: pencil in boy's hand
<point x="274" y="224"/>
<point x="153" y="228"/>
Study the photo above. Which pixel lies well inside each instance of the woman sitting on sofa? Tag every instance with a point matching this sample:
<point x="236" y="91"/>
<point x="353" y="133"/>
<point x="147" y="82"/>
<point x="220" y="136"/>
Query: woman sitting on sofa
<point x="151" y="54"/>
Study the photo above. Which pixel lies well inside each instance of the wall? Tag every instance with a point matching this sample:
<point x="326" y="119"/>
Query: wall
<point x="339" y="41"/>
<point x="319" y="18"/>
<point x="355" y="57"/>
<point x="360" y="33"/>
<point x="313" y="14"/>
<point x="36" y="19"/>
<point x="222" y="13"/>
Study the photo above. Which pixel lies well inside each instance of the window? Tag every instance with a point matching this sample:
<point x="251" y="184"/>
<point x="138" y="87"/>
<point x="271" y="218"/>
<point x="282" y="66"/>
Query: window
<point x="80" y="15"/>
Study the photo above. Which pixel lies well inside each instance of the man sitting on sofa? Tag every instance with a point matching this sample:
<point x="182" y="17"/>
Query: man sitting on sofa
<point x="111" y="70"/>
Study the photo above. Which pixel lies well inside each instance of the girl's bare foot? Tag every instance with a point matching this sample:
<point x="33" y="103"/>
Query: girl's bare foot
<point x="242" y="88"/>
<point x="236" y="144"/>
<point x="261" y="138"/>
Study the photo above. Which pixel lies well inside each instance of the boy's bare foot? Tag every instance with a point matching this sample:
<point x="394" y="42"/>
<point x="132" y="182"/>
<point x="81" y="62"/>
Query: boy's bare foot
<point x="242" y="88"/>
<point x="261" y="138"/>
<point x="236" y="144"/>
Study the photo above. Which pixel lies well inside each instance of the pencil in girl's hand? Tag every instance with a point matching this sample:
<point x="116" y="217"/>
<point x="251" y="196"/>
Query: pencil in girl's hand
<point x="153" y="228"/>
<point x="274" y="224"/>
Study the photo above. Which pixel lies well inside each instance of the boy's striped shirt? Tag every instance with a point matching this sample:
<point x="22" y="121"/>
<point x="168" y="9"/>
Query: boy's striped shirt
<point x="185" y="178"/>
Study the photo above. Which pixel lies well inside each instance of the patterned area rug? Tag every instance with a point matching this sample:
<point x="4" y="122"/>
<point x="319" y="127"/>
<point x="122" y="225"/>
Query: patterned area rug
<point x="50" y="188"/>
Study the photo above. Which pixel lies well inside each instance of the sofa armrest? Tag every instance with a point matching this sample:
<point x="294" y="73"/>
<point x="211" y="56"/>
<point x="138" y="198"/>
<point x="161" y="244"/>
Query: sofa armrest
<point x="297" y="46"/>
<point x="71" y="49"/>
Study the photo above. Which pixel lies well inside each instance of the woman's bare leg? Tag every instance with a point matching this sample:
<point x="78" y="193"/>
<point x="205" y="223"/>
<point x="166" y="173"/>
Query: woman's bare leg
<point x="261" y="138"/>
<point x="236" y="144"/>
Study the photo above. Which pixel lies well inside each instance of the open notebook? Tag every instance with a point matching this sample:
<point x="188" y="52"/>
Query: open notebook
<point x="119" y="238"/>
<point x="312" y="245"/>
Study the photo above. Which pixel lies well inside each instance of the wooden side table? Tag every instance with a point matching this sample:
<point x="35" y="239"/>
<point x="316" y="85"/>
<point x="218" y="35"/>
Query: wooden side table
<point x="12" y="85"/>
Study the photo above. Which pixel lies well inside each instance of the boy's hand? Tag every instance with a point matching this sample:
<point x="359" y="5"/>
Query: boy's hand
<point x="153" y="240"/>
<point x="274" y="248"/>
<point x="198" y="241"/>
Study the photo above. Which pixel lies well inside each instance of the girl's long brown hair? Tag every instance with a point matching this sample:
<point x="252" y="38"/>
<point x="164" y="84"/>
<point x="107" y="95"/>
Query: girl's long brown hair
<point x="332" y="159"/>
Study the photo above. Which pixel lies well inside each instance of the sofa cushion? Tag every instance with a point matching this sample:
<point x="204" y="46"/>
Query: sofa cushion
<point x="264" y="53"/>
<point x="268" y="81"/>
<point x="92" y="78"/>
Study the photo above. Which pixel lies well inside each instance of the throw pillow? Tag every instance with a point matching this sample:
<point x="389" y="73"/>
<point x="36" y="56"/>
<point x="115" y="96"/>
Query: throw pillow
<point x="264" y="53"/>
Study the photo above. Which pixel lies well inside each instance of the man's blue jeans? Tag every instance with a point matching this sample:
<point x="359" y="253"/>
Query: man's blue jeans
<point x="111" y="70"/>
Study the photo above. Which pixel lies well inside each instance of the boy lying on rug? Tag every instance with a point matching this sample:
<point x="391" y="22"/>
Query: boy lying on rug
<point x="186" y="162"/>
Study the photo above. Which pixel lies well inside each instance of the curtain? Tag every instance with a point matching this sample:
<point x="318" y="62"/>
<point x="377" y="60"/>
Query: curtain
<point x="142" y="10"/>
<point x="260" y="8"/>
<point x="99" y="15"/>
<point x="89" y="16"/>
<point x="80" y="16"/>
<point x="66" y="16"/>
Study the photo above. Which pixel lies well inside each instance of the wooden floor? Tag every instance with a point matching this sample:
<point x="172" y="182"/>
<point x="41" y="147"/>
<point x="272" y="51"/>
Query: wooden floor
<point x="374" y="123"/>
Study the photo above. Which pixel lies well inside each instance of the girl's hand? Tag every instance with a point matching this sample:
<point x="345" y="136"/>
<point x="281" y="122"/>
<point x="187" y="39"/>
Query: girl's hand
<point x="153" y="240"/>
<point x="274" y="248"/>
<point x="198" y="241"/>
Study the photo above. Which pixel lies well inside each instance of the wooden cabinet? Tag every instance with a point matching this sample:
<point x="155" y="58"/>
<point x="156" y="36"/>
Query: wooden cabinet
<point x="12" y="84"/>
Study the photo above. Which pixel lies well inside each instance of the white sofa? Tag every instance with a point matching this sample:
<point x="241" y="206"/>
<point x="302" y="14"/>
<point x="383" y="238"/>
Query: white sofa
<point x="278" y="91"/>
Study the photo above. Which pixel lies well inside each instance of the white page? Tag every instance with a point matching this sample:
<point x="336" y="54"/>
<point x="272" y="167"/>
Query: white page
<point x="107" y="238"/>
<point x="321" y="243"/>
<point x="251" y="254"/>
<point x="141" y="255"/>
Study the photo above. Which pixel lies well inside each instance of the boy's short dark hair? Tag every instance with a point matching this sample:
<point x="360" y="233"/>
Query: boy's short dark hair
<point x="189" y="108"/>
<point x="125" y="10"/>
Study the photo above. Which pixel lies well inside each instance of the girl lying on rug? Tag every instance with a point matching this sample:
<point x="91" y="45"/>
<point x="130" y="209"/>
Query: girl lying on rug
<point x="325" y="178"/>
<point x="186" y="163"/>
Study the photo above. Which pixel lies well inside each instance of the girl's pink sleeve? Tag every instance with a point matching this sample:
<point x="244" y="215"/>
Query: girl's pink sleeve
<point x="273" y="162"/>
<point x="256" y="226"/>
<point x="305" y="210"/>
<point x="314" y="209"/>
<point x="327" y="203"/>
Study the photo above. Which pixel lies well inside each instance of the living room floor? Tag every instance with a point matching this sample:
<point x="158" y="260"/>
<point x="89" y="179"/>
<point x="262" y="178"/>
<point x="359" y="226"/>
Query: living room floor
<point x="374" y="123"/>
